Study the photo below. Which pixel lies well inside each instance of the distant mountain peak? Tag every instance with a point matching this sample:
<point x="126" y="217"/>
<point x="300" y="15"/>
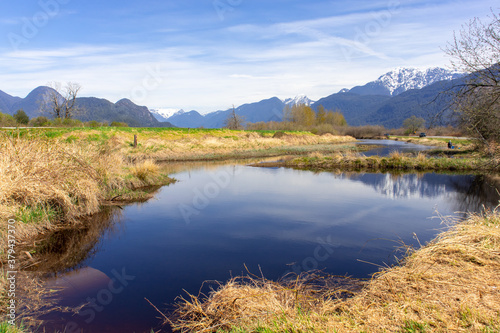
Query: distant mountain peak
<point x="299" y="99"/>
<point x="125" y="102"/>
<point x="403" y="78"/>
<point x="163" y="113"/>
<point x="178" y="113"/>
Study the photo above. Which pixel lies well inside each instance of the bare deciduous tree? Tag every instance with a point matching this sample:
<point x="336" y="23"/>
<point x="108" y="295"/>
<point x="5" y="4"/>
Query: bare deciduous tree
<point x="234" y="121"/>
<point x="61" y="101"/>
<point x="476" y="51"/>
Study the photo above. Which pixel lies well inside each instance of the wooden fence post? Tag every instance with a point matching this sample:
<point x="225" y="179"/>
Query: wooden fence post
<point x="135" y="140"/>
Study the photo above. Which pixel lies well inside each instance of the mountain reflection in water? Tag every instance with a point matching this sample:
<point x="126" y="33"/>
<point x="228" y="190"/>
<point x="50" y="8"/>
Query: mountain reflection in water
<point x="269" y="220"/>
<point x="468" y="192"/>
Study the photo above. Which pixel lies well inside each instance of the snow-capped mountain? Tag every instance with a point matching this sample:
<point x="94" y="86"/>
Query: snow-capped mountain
<point x="374" y="103"/>
<point x="403" y="79"/>
<point x="400" y="80"/>
<point x="161" y="114"/>
<point x="299" y="99"/>
<point x="179" y="112"/>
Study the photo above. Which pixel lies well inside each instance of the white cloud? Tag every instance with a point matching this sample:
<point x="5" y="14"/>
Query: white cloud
<point x="212" y="70"/>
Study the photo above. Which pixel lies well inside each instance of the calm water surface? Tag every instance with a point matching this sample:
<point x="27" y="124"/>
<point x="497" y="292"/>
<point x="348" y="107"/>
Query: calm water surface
<point x="217" y="218"/>
<point x="388" y="146"/>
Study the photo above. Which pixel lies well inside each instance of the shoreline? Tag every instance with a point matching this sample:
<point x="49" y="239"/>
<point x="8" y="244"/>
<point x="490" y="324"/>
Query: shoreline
<point x="120" y="174"/>
<point x="406" y="162"/>
<point x="451" y="283"/>
<point x="54" y="178"/>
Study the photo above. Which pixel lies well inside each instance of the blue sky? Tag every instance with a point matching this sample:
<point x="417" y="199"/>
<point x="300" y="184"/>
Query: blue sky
<point x="210" y="54"/>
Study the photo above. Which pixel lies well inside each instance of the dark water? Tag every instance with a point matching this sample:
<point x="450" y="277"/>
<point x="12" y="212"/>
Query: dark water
<point x="218" y="218"/>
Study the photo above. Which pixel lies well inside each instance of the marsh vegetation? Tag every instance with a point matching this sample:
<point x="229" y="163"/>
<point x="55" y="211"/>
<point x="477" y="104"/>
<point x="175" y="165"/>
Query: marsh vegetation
<point x="57" y="181"/>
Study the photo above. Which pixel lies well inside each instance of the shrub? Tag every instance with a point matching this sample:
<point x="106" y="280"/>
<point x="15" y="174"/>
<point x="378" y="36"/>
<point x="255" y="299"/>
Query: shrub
<point x="94" y="123"/>
<point x="279" y="135"/>
<point x="67" y="122"/>
<point x="7" y="120"/>
<point x="72" y="122"/>
<point x="118" y="124"/>
<point x="56" y="122"/>
<point x="39" y="121"/>
<point x="324" y="128"/>
<point x="21" y="117"/>
<point x="365" y="132"/>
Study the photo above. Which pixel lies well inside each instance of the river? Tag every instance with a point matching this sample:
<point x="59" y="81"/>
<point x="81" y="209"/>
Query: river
<point x="220" y="218"/>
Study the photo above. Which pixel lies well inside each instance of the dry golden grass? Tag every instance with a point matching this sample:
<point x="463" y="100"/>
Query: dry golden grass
<point x="316" y="154"/>
<point x="350" y="160"/>
<point x="35" y="173"/>
<point x="191" y="149"/>
<point x="451" y="284"/>
<point x="145" y="169"/>
<point x="182" y="146"/>
<point x="251" y="300"/>
<point x="463" y="144"/>
<point x="45" y="181"/>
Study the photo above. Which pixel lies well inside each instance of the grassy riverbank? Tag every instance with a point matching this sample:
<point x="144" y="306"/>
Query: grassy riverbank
<point x="57" y="175"/>
<point x="395" y="161"/>
<point x="451" y="284"/>
<point x="45" y="182"/>
<point x="458" y="142"/>
<point x="53" y="178"/>
<point x="182" y="144"/>
<point x="50" y="178"/>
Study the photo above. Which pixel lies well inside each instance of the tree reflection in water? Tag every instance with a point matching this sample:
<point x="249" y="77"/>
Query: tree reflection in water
<point x="469" y="193"/>
<point x="67" y="248"/>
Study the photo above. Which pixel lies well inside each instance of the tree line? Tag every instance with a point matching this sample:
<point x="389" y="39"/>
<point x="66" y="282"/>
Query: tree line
<point x="21" y="119"/>
<point x="301" y="117"/>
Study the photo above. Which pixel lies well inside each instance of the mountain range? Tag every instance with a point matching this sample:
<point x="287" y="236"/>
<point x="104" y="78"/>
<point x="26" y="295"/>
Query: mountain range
<point x="89" y="108"/>
<point x="387" y="101"/>
<point x="401" y="80"/>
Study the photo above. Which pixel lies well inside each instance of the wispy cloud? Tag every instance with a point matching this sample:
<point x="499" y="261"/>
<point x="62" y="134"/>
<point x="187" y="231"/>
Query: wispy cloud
<point x="209" y="64"/>
<point x="9" y="21"/>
